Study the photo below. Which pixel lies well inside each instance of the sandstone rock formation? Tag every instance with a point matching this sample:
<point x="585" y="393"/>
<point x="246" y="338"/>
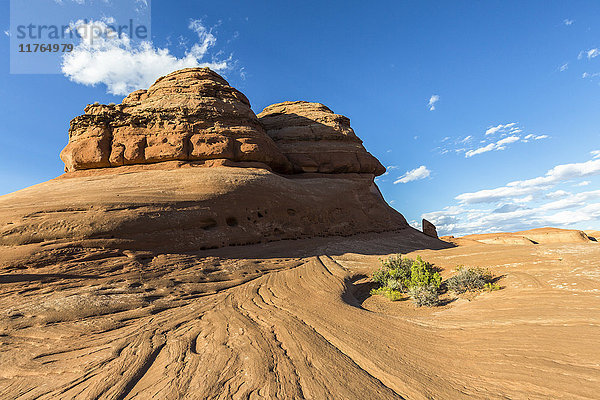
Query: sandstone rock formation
<point x="188" y="115"/>
<point x="185" y="208"/>
<point x="315" y="139"/>
<point x="136" y="178"/>
<point x="429" y="228"/>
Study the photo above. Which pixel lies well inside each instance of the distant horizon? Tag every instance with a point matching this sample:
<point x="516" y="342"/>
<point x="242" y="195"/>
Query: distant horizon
<point x="485" y="115"/>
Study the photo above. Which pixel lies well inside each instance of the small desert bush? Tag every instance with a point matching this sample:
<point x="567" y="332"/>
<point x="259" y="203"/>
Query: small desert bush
<point x="394" y="272"/>
<point x="425" y="295"/>
<point x="419" y="278"/>
<point x="470" y="280"/>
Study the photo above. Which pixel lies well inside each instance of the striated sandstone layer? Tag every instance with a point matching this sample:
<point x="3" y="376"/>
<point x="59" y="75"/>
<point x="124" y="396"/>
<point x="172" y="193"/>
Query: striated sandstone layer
<point x="190" y="208"/>
<point x="315" y="139"/>
<point x="294" y="320"/>
<point x="189" y="115"/>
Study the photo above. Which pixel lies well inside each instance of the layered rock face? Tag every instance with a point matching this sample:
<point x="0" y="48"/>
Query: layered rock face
<point x="194" y="115"/>
<point x="137" y="175"/>
<point x="188" y="115"/>
<point x="315" y="139"/>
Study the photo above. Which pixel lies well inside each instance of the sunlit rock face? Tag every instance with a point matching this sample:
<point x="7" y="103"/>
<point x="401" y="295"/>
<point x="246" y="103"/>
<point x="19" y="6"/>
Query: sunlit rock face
<point x="188" y="115"/>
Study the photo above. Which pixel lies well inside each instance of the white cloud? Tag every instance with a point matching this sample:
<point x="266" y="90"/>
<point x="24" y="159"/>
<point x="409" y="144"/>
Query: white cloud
<point x="534" y="137"/>
<point x="568" y="22"/>
<point x="555" y="175"/>
<point x="568" y="212"/>
<point x="414" y="175"/>
<point x="590" y="75"/>
<point x="525" y="199"/>
<point x="432" y="100"/>
<point x="584" y="183"/>
<point x="61" y="2"/>
<point x="557" y="194"/>
<point x="564" y="67"/>
<point x="572" y="200"/>
<point x="509" y="134"/>
<point x="123" y="67"/>
<point x="506" y="134"/>
<point x="500" y="128"/>
<point x="595" y="153"/>
<point x="591" y="53"/>
<point x="415" y="224"/>
<point x="499" y="145"/>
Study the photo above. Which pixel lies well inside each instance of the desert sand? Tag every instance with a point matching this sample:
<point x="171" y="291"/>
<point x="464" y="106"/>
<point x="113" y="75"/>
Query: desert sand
<point x="194" y="250"/>
<point x="298" y="323"/>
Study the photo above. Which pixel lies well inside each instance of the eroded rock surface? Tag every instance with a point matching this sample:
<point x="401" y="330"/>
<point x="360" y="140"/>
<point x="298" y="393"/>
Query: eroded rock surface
<point x="315" y="139"/>
<point x="189" y="115"/>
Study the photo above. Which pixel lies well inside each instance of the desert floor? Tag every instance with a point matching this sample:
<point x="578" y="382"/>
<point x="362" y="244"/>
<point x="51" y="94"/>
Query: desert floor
<point x="293" y="319"/>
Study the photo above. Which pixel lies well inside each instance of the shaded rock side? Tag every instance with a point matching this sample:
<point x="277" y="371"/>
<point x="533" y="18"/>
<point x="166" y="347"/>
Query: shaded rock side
<point x="429" y="228"/>
<point x="315" y="139"/>
<point x="189" y="115"/>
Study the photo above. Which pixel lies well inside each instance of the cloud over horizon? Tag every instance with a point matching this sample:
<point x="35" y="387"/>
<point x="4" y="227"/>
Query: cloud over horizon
<point x="525" y="203"/>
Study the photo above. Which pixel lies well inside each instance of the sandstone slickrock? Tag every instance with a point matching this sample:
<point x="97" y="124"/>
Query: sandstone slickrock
<point x="429" y="228"/>
<point x="189" y="208"/>
<point x="315" y="139"/>
<point x="106" y="291"/>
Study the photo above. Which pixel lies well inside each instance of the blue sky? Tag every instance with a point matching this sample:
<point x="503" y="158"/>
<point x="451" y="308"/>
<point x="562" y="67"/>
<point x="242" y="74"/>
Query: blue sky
<point x="485" y="113"/>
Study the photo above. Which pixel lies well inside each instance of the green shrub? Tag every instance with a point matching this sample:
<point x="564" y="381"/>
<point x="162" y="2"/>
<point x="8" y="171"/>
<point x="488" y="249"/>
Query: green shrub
<point x="399" y="275"/>
<point x="394" y="273"/>
<point x="393" y="295"/>
<point x="470" y="279"/>
<point x="425" y="295"/>
<point x="423" y="274"/>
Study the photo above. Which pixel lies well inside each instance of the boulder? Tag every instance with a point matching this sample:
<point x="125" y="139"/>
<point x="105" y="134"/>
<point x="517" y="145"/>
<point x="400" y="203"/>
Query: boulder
<point x="429" y="228"/>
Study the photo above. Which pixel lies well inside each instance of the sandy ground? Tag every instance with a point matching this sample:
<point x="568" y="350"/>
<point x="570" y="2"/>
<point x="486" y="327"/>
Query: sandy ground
<point x="293" y="319"/>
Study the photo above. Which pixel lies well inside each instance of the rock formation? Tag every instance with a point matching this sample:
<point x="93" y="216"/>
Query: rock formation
<point x="429" y="228"/>
<point x="315" y="139"/>
<point x="136" y="175"/>
<point x="188" y="115"/>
